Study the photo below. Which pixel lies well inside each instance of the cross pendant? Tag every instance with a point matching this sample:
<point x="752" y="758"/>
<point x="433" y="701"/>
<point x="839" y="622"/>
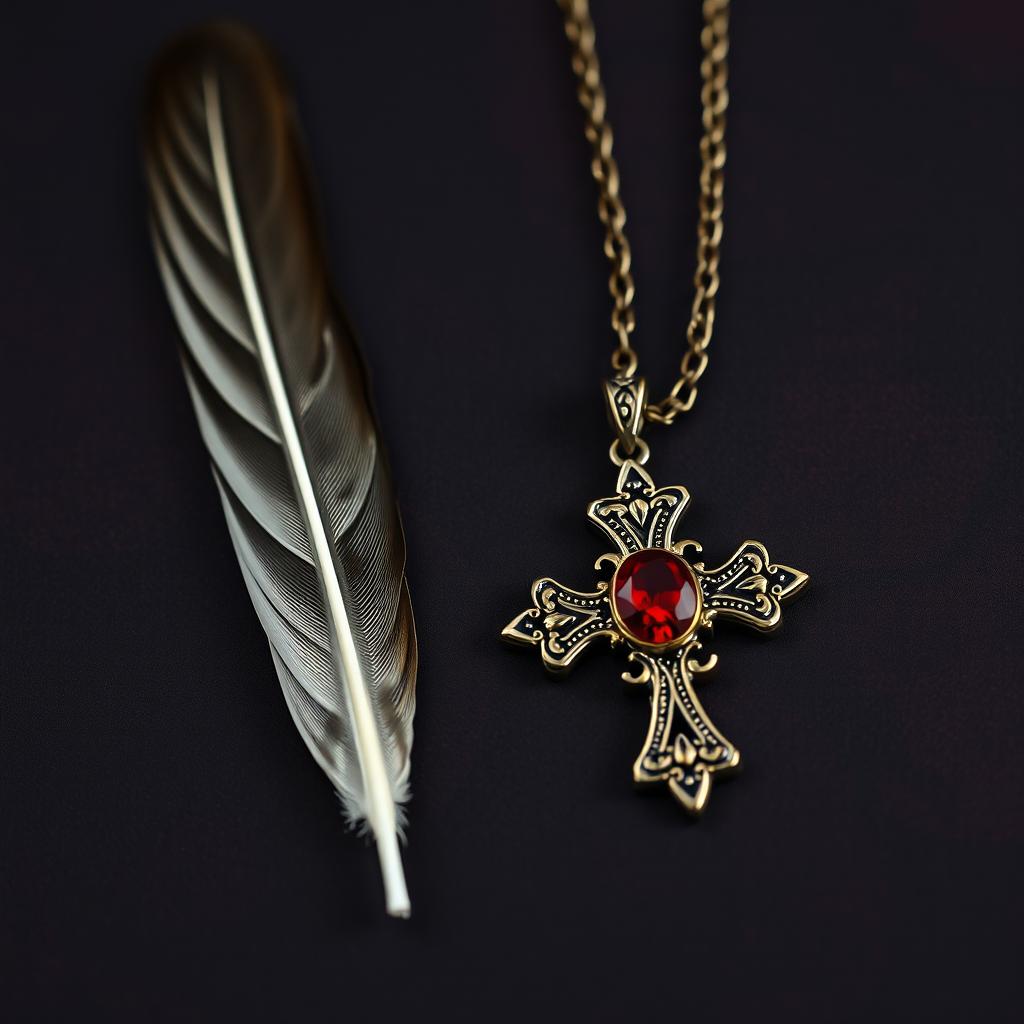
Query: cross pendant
<point x="655" y="606"/>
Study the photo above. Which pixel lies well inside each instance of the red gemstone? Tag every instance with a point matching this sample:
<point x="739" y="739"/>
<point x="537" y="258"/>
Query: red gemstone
<point x="655" y="596"/>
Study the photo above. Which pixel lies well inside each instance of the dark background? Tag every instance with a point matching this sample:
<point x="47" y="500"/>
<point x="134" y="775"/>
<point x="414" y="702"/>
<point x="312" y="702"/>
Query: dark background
<point x="171" y="852"/>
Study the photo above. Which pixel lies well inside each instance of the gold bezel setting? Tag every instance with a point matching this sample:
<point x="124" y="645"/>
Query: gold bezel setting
<point x="695" y="620"/>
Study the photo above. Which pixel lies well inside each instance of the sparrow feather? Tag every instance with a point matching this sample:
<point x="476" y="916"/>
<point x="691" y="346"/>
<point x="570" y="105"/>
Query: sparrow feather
<point x="280" y="395"/>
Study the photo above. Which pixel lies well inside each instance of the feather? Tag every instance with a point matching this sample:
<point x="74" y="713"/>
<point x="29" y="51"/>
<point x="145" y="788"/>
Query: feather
<point x="281" y="399"/>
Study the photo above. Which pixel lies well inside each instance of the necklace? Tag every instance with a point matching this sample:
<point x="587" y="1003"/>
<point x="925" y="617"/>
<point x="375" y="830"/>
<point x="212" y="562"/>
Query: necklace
<point x="658" y="603"/>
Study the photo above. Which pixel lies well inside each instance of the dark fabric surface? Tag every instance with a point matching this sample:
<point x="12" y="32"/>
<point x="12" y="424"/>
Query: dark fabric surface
<point x="170" y="851"/>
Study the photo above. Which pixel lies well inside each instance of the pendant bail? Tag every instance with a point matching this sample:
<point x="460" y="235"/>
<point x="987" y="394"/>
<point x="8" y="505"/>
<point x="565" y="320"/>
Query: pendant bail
<point x="625" y="398"/>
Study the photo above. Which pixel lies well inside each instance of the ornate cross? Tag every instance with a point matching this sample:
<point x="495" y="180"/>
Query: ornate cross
<point x="655" y="606"/>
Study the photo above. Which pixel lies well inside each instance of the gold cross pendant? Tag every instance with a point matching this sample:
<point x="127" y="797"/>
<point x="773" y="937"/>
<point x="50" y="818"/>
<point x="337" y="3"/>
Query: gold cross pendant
<point x="655" y="606"/>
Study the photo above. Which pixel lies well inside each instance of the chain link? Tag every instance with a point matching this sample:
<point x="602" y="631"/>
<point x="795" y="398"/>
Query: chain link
<point x="579" y="29"/>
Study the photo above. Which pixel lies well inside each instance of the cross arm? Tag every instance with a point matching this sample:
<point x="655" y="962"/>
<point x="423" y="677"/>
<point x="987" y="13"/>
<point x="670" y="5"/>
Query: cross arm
<point x="562" y="622"/>
<point x="749" y="588"/>
<point x="639" y="515"/>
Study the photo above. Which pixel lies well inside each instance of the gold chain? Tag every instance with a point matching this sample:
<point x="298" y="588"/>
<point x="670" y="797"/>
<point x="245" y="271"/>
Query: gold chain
<point x="579" y="28"/>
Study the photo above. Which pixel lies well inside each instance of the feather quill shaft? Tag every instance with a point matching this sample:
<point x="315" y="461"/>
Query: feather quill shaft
<point x="242" y="256"/>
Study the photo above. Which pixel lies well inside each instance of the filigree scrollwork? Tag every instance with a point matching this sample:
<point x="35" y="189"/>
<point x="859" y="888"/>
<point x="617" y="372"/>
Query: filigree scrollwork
<point x="640" y="515"/>
<point x="749" y="588"/>
<point x="563" y="622"/>
<point x="683" y="749"/>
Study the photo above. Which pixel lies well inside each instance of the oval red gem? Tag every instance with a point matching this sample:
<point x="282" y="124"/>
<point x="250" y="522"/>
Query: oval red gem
<point x="655" y="595"/>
